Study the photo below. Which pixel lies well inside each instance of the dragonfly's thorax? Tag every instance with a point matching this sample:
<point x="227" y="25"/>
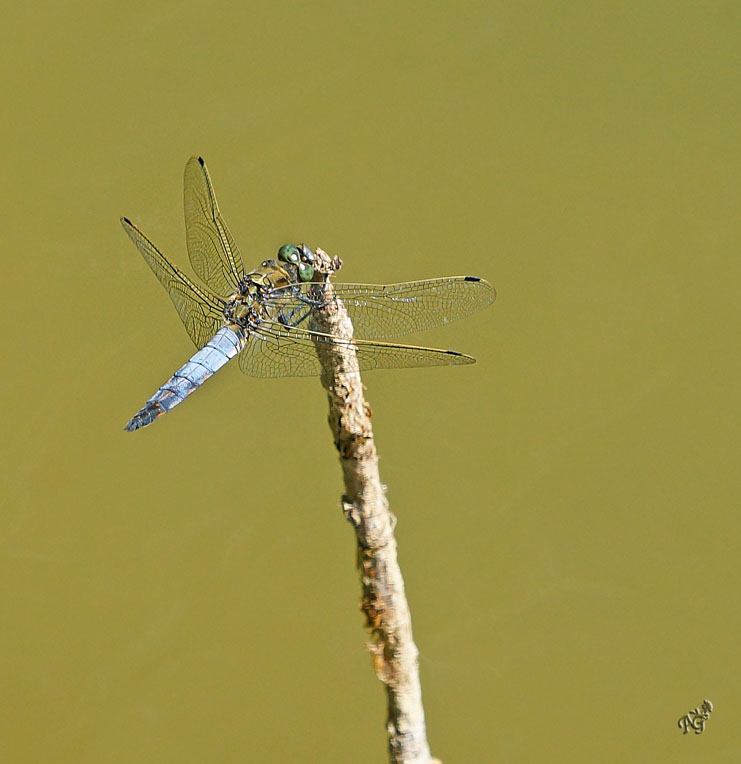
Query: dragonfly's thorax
<point x="270" y="275"/>
<point x="240" y="310"/>
<point x="249" y="305"/>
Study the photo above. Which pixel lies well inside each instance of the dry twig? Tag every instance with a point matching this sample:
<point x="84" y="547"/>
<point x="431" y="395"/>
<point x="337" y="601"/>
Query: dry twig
<point x="366" y="507"/>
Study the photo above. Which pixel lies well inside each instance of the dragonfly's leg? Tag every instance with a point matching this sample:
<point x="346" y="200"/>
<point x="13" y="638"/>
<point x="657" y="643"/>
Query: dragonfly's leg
<point x="310" y="303"/>
<point x="303" y="318"/>
<point x="287" y="319"/>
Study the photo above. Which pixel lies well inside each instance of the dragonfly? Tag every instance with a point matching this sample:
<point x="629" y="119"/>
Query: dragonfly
<point x="263" y="317"/>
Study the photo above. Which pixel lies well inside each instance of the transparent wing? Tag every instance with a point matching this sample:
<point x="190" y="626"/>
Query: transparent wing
<point x="213" y="252"/>
<point x="200" y="311"/>
<point x="393" y="310"/>
<point x="275" y="350"/>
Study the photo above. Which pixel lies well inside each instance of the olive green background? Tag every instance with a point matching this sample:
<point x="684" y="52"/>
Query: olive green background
<point x="568" y="507"/>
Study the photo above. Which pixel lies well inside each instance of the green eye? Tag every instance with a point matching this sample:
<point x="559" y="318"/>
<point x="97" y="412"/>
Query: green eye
<point x="288" y="253"/>
<point x="305" y="271"/>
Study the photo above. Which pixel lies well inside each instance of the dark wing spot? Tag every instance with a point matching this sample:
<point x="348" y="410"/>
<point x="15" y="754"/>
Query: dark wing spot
<point x="200" y="161"/>
<point x="472" y="278"/>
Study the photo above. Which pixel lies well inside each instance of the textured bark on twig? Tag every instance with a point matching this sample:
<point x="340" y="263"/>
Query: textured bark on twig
<point x="383" y="602"/>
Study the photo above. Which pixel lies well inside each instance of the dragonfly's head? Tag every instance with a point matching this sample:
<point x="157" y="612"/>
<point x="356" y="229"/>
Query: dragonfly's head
<point x="301" y="257"/>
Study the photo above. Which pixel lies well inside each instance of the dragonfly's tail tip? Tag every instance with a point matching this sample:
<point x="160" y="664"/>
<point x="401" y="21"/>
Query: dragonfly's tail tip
<point x="136" y="423"/>
<point x="146" y="416"/>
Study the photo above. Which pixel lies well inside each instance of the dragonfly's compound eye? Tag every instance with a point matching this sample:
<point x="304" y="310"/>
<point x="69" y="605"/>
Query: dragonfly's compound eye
<point x="288" y="253"/>
<point x="305" y="271"/>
